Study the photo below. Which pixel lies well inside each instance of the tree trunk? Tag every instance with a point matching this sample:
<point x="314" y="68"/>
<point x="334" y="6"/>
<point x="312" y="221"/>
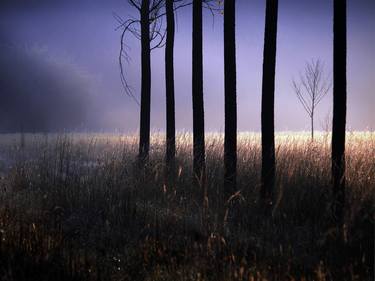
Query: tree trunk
<point x="198" y="110"/>
<point x="312" y="124"/>
<point x="144" y="131"/>
<point x="339" y="108"/>
<point x="230" y="139"/>
<point x="169" y="86"/>
<point x="268" y="89"/>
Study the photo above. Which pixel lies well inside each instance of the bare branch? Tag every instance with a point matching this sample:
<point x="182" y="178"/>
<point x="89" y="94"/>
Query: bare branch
<point x="135" y="5"/>
<point x="124" y="54"/>
<point x="301" y="98"/>
<point x="131" y="25"/>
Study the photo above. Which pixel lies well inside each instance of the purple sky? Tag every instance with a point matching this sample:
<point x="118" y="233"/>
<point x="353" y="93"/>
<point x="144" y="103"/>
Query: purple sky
<point x="81" y="35"/>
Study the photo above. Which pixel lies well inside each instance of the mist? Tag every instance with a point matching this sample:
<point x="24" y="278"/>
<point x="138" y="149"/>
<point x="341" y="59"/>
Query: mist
<point x="42" y="93"/>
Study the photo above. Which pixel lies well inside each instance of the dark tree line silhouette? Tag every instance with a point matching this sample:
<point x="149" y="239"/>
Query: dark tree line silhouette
<point x="150" y="29"/>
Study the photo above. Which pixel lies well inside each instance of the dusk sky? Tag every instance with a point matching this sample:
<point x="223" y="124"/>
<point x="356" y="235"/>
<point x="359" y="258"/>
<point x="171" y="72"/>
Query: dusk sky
<point x="72" y="49"/>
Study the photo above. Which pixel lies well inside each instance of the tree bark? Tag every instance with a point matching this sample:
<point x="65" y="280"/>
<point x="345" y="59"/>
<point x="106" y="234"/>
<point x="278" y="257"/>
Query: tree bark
<point x="268" y="90"/>
<point x="339" y="108"/>
<point x="169" y="86"/>
<point x="197" y="87"/>
<point x="144" y="131"/>
<point x="230" y="138"/>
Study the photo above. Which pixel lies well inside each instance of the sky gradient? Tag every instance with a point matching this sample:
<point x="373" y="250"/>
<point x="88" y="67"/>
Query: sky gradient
<point x="79" y="37"/>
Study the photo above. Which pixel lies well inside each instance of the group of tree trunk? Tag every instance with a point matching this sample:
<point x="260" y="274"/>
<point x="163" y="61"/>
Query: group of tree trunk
<point x="149" y="13"/>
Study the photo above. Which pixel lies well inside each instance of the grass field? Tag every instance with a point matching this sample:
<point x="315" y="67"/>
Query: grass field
<point x="75" y="207"/>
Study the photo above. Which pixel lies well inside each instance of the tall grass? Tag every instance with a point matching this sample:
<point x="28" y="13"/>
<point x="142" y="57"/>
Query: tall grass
<point x="76" y="207"/>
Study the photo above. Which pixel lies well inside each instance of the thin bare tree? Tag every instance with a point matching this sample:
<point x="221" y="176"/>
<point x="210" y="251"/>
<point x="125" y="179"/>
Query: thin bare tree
<point x="313" y="86"/>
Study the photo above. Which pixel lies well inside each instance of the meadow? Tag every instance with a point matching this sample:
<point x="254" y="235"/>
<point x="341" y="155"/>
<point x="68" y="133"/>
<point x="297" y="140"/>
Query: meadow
<point x="76" y="207"/>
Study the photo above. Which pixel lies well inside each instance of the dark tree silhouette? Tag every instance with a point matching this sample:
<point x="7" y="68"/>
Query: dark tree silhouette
<point x="150" y="30"/>
<point x="169" y="83"/>
<point x="197" y="94"/>
<point x="144" y="129"/>
<point x="230" y="139"/>
<point x="339" y="107"/>
<point x="312" y="88"/>
<point x="268" y="97"/>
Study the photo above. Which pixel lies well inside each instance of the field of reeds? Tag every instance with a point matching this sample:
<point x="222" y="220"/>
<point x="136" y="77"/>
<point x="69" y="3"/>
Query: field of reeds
<point x="77" y="207"/>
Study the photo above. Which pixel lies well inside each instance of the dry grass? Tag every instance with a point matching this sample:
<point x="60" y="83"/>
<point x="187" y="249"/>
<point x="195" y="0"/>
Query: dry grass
<point x="74" y="207"/>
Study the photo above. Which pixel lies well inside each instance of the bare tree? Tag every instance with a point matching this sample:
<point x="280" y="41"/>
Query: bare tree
<point x="169" y="90"/>
<point x="339" y="108"/>
<point x="199" y="154"/>
<point x="230" y="139"/>
<point x="148" y="29"/>
<point x="197" y="92"/>
<point x="268" y="101"/>
<point x="312" y="88"/>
